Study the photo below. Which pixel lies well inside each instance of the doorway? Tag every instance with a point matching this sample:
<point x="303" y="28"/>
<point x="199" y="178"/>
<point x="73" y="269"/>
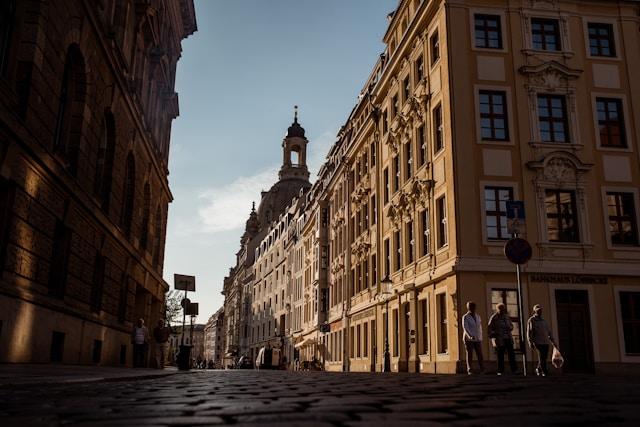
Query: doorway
<point x="574" y="330"/>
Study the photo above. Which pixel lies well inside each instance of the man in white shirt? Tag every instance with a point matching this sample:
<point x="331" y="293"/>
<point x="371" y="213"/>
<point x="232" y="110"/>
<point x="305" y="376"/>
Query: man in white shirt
<point x="472" y="337"/>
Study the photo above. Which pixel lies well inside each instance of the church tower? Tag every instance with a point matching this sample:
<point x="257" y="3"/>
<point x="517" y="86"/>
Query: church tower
<point x="294" y="151"/>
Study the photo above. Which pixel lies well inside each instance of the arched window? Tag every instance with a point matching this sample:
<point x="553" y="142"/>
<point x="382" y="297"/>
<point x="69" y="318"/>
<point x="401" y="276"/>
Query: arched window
<point x="129" y="194"/>
<point x="157" y="236"/>
<point x="144" y="237"/>
<point x="7" y="16"/>
<point x="104" y="162"/>
<point x="68" y="128"/>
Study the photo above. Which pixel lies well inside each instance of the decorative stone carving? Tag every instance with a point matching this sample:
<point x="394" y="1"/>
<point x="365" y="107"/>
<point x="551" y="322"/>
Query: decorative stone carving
<point x="558" y="169"/>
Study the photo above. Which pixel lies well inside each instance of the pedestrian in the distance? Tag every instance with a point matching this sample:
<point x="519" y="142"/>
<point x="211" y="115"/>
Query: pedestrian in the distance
<point x="539" y="337"/>
<point x="472" y="336"/>
<point x="500" y="328"/>
<point x="140" y="341"/>
<point x="161" y="335"/>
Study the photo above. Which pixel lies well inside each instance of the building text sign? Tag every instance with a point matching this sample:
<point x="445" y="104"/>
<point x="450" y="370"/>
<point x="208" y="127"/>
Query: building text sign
<point x="577" y="279"/>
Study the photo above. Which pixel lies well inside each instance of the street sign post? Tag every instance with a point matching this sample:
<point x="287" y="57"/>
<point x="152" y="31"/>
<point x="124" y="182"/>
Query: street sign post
<point x="192" y="309"/>
<point x="515" y="217"/>
<point x="183" y="282"/>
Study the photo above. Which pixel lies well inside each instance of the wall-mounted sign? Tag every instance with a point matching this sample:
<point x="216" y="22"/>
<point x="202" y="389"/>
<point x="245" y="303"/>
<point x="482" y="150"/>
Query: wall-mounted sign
<point x="578" y="279"/>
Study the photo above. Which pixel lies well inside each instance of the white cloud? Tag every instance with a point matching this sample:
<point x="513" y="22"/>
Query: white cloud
<point x="227" y="207"/>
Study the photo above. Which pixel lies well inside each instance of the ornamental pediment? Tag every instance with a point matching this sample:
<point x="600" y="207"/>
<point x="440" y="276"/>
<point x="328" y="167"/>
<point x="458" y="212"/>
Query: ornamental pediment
<point x="560" y="167"/>
<point x="550" y="75"/>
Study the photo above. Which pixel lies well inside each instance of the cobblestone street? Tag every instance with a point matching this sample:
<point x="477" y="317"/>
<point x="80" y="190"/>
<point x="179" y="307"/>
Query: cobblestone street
<point x="317" y="398"/>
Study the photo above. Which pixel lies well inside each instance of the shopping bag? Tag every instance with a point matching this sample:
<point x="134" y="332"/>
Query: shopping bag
<point x="556" y="358"/>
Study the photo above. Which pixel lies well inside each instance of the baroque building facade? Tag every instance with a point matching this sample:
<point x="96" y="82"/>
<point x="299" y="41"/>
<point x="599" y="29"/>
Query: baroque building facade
<point x="473" y="103"/>
<point x="85" y="117"/>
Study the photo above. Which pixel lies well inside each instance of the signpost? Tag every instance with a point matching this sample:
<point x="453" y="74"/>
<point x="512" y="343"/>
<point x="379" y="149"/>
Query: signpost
<point x="518" y="251"/>
<point x="184" y="283"/>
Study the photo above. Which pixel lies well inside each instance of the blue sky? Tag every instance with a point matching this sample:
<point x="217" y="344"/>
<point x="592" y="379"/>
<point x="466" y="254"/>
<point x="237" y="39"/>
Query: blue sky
<point x="238" y="79"/>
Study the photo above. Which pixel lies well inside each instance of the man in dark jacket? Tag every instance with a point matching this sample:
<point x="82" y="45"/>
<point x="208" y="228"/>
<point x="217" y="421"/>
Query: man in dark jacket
<point x="161" y="336"/>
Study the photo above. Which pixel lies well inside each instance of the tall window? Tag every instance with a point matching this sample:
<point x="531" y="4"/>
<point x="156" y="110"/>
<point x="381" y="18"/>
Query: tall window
<point x="406" y="89"/>
<point x="630" y="312"/>
<point x="7" y="16"/>
<point x="59" y="266"/>
<point x="385" y="122"/>
<point x="422" y="146"/>
<point x="396" y="332"/>
<point x="552" y="117"/>
<point x="435" y="48"/>
<point x="411" y="244"/>
<point x="387" y="257"/>
<point x="623" y="227"/>
<point x="438" y="129"/>
<point x="67" y="133"/>
<point x="129" y="194"/>
<point x="419" y="68"/>
<point x="495" y="205"/>
<point x="493" y="115"/>
<point x="611" y="122"/>
<point x="385" y="173"/>
<point x="374" y="271"/>
<point x="365" y="337"/>
<point x="396" y="173"/>
<point x="441" y="208"/>
<point x="397" y="246"/>
<point x="509" y="297"/>
<point x="372" y="151"/>
<point x="104" y="162"/>
<point x="425" y="233"/>
<point x="424" y="326"/>
<point x="488" y="32"/>
<point x="601" y="39"/>
<point x="443" y="342"/>
<point x="374" y="209"/>
<point x="395" y="105"/>
<point x="545" y="34"/>
<point x="98" y="282"/>
<point x="562" y="216"/>
<point x="408" y="158"/>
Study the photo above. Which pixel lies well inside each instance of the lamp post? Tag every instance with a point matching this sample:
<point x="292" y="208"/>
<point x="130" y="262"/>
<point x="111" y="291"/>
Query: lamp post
<point x="386" y="285"/>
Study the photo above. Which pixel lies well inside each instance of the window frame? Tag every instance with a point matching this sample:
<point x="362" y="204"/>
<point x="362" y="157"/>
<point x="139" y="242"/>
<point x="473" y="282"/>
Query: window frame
<point x="485" y="29"/>
<point x="499" y="215"/>
<point x="438" y="131"/>
<point x="569" y="137"/>
<point x="442" y="238"/>
<point x="624" y="356"/>
<point x="636" y="200"/>
<point x="612" y="40"/>
<point x="557" y="33"/>
<point x="492" y="116"/>
<point x="625" y="114"/>
<point x="558" y="216"/>
<point x="435" y="51"/>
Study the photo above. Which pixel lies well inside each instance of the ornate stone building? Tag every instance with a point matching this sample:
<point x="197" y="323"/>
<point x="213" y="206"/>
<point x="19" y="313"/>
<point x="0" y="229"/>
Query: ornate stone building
<point x="214" y="338"/>
<point x="87" y="100"/>
<point x="473" y="103"/>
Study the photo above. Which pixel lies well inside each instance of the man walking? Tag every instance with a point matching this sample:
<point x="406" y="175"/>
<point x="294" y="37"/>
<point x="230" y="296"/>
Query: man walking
<point x="539" y="337"/>
<point x="140" y="340"/>
<point x="161" y="336"/>
<point x="472" y="326"/>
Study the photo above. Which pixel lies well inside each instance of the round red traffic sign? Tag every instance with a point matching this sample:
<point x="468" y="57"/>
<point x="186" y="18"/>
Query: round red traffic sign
<point x="518" y="250"/>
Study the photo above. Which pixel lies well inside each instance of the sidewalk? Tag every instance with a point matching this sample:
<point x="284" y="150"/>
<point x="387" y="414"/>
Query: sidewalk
<point x="32" y="374"/>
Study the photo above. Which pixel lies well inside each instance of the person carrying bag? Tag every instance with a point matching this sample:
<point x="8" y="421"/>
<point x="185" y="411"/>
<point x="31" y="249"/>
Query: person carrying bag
<point x="539" y="338"/>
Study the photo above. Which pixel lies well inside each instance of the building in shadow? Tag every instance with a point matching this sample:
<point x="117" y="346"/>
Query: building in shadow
<point x="87" y="99"/>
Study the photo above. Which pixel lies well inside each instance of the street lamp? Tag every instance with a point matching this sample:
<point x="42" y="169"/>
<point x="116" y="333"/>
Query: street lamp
<point x="386" y="286"/>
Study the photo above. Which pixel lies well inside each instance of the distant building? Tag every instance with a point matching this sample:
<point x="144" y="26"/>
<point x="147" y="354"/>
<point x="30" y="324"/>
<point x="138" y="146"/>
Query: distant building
<point x="214" y="338"/>
<point x="194" y="338"/>
<point x="87" y="99"/>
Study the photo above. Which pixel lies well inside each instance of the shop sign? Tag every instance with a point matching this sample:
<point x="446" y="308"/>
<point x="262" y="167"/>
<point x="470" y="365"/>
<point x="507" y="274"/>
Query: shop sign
<point x="574" y="279"/>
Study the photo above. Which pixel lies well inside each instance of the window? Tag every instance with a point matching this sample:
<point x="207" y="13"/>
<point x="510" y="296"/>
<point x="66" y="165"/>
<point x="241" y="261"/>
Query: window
<point x="395" y="105"/>
<point x="493" y="115"/>
<point x="495" y="205"/>
<point x="386" y="185"/>
<point x="410" y="242"/>
<point x="623" y="227"/>
<point x="385" y="122"/>
<point x="365" y="337"/>
<point x="372" y="150"/>
<point x="552" y="118"/>
<point x="406" y="89"/>
<point x="443" y="345"/>
<point x="374" y="271"/>
<point x="562" y="217"/>
<point x="630" y="312"/>
<point x="601" y="41"/>
<point x="442" y="222"/>
<point x="396" y="332"/>
<point x="437" y="128"/>
<point x="611" y="122"/>
<point x="374" y="209"/>
<point x="408" y="158"/>
<point x="129" y="194"/>
<point x="396" y="173"/>
<point x="422" y="146"/>
<point x="98" y="283"/>
<point x="488" y="32"/>
<point x="424" y="326"/>
<point x="419" y="68"/>
<point x="397" y="246"/>
<point x="104" y="162"/>
<point x="545" y="34"/>
<point x="58" y="269"/>
<point x="425" y="232"/>
<point x="435" y="48"/>
<point x="7" y="15"/>
<point x="387" y="257"/>
<point x="509" y="297"/>
<point x="358" y="341"/>
<point x="146" y="213"/>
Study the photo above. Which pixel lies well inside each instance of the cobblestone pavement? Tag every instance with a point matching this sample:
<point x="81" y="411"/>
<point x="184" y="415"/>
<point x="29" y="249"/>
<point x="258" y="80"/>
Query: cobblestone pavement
<point x="325" y="399"/>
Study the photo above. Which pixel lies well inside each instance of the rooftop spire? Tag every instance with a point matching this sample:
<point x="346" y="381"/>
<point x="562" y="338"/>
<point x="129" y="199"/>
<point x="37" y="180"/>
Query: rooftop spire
<point x="295" y="114"/>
